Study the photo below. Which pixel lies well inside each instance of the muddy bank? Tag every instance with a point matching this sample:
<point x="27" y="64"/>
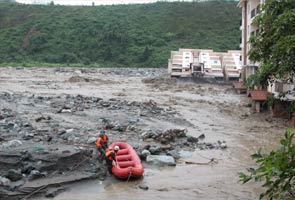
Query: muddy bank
<point x="50" y="118"/>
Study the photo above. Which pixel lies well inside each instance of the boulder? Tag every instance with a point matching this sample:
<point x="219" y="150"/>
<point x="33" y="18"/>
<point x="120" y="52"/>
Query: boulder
<point x="174" y="153"/>
<point x="161" y="160"/>
<point x="91" y="140"/>
<point x="4" y="181"/>
<point x="12" y="144"/>
<point x="155" y="149"/>
<point x="14" y="175"/>
<point x="145" y="153"/>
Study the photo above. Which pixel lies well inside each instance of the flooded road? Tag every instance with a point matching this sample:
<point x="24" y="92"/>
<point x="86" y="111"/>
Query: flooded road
<point x="213" y="110"/>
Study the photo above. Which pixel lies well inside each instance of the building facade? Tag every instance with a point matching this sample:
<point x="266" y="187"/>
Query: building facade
<point x="282" y="90"/>
<point x="205" y="63"/>
<point x="250" y="9"/>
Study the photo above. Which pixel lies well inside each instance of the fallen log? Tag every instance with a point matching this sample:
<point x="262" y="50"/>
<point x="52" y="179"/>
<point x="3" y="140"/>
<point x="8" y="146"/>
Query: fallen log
<point x="212" y="161"/>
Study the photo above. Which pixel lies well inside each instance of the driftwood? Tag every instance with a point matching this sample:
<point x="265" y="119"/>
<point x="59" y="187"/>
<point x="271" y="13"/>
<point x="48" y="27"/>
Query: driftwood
<point x="77" y="165"/>
<point x="35" y="191"/>
<point x="212" y="161"/>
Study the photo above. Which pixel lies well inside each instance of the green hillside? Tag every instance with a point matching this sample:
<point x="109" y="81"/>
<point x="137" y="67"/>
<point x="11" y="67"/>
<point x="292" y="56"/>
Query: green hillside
<point x="120" y="35"/>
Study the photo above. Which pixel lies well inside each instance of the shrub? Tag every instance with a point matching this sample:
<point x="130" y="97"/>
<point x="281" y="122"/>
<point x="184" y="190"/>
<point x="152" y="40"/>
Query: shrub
<point x="276" y="170"/>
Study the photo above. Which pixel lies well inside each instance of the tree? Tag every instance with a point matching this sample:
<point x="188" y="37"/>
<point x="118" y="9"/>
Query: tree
<point x="276" y="170"/>
<point x="274" y="45"/>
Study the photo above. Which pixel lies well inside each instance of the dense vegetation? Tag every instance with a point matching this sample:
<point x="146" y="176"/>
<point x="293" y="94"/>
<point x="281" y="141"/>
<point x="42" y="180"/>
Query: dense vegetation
<point x="123" y="35"/>
<point x="276" y="170"/>
<point x="274" y="45"/>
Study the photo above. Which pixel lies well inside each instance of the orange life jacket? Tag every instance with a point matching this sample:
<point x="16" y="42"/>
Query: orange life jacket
<point x="98" y="142"/>
<point x="105" y="139"/>
<point x="110" y="154"/>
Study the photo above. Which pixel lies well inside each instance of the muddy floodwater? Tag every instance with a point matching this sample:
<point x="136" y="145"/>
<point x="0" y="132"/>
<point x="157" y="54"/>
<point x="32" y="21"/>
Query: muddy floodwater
<point x="214" y="110"/>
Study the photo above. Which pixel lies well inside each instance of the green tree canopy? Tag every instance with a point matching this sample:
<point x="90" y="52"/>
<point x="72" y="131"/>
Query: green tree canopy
<point x="274" y="46"/>
<point x="136" y="35"/>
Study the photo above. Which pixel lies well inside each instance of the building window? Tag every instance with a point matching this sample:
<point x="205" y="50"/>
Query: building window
<point x="253" y="12"/>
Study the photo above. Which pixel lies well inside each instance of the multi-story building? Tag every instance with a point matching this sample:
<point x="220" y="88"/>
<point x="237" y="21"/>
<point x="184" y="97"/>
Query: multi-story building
<point x="205" y="63"/>
<point x="250" y="9"/>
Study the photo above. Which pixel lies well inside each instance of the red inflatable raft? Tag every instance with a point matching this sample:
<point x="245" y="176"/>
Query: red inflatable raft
<point x="128" y="163"/>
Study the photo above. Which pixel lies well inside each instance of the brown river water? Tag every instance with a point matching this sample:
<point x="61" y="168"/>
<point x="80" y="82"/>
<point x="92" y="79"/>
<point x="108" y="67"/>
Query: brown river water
<point x="214" y="110"/>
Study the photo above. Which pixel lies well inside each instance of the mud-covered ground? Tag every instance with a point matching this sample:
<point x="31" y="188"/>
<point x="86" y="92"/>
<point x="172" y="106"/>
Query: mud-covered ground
<point x="50" y="118"/>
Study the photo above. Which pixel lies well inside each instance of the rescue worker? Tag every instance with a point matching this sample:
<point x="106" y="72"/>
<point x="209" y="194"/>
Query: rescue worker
<point x="110" y="157"/>
<point x="102" y="144"/>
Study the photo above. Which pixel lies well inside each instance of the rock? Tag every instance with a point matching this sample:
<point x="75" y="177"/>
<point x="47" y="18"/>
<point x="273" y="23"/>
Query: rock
<point x="201" y="137"/>
<point x="104" y="103"/>
<point x="155" y="149"/>
<point x="145" y="153"/>
<point x="70" y="130"/>
<point x="14" y="185"/>
<point x="38" y="119"/>
<point x="192" y="139"/>
<point x="147" y="147"/>
<point x="12" y="144"/>
<point x="48" y="137"/>
<point x="210" y="145"/>
<point x="223" y="146"/>
<point x="78" y="72"/>
<point x="133" y="121"/>
<point x="166" y="147"/>
<point x="51" y="193"/>
<point x="174" y="153"/>
<point x="143" y="187"/>
<point x="4" y="181"/>
<point x="14" y="175"/>
<point x="35" y="174"/>
<point x="91" y="140"/>
<point x="145" y="135"/>
<point x="28" y="167"/>
<point x="28" y="136"/>
<point x="161" y="160"/>
<point x="61" y="132"/>
<point x="65" y="110"/>
<point x="27" y="125"/>
<point x="120" y="128"/>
